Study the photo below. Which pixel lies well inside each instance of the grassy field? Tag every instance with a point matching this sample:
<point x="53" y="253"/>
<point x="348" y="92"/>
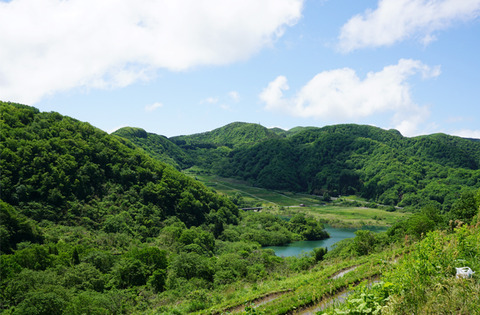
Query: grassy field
<point x="338" y="213"/>
<point x="356" y="216"/>
<point x="260" y="196"/>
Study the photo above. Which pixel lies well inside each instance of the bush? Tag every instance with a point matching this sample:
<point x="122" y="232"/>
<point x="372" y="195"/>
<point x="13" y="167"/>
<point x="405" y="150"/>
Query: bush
<point x="319" y="253"/>
<point x="48" y="301"/>
<point x="157" y="280"/>
<point x="129" y="272"/>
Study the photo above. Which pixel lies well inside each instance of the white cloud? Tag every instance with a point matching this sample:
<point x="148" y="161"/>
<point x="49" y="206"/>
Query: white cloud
<point x="340" y="94"/>
<point x="209" y="100"/>
<point x="396" y="20"/>
<point x="53" y="45"/>
<point x="272" y="95"/>
<point x="467" y="133"/>
<point x="225" y="107"/>
<point x="152" y="107"/>
<point x="234" y="96"/>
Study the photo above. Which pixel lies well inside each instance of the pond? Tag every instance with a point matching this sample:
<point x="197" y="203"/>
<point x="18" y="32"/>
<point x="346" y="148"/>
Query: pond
<point x="336" y="235"/>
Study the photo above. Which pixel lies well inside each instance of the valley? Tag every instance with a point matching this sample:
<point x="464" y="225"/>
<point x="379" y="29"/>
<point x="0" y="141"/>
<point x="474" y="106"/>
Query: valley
<point x="347" y="211"/>
<point x="137" y="223"/>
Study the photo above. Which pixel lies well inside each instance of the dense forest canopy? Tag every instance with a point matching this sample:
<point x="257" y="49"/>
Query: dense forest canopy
<point x="104" y="224"/>
<point x="373" y="163"/>
<point x="62" y="170"/>
<point x="159" y="147"/>
<point x="380" y="165"/>
<point x="232" y="135"/>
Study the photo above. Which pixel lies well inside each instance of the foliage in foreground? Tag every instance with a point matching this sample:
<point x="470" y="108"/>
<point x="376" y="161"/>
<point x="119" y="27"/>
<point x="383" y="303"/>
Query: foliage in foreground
<point x="424" y="281"/>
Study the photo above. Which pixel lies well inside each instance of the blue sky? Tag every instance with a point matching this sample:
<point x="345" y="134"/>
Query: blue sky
<point x="188" y="66"/>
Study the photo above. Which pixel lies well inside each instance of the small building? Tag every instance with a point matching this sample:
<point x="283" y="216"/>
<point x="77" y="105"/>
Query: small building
<point x="256" y="209"/>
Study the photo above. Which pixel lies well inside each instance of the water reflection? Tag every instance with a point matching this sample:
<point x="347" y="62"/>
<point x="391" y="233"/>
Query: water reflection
<point x="336" y="235"/>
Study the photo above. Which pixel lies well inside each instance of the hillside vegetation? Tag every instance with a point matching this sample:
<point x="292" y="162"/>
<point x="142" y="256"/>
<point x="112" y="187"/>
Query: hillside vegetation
<point x="376" y="164"/>
<point x="90" y="223"/>
<point x="423" y="280"/>
<point x="233" y="135"/>
<point x="373" y="163"/>
<point x="159" y="147"/>
<point x="59" y="169"/>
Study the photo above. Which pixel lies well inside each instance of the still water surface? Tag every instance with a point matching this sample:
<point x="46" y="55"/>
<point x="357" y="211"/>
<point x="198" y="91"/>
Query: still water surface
<point x="336" y="235"/>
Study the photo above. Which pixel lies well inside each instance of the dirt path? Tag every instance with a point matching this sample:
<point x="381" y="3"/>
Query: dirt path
<point x="325" y="302"/>
<point x="341" y="296"/>
<point x="256" y="302"/>
<point x="338" y="298"/>
<point x="342" y="272"/>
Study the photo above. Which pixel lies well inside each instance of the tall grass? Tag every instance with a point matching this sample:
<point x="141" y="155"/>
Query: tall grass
<point x="424" y="280"/>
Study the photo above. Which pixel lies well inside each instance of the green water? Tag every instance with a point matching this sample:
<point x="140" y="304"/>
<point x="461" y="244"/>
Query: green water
<point x="336" y="235"/>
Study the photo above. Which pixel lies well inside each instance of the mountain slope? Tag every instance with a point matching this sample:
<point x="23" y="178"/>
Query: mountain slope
<point x="91" y="224"/>
<point x="447" y="150"/>
<point x="62" y="170"/>
<point x="232" y="135"/>
<point x="377" y="164"/>
<point x="157" y="146"/>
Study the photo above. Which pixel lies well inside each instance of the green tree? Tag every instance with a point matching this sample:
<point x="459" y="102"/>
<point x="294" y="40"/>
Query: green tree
<point x="49" y="301"/>
<point x="75" y="256"/>
<point x="364" y="242"/>
<point x="157" y="280"/>
<point x="319" y="253"/>
<point x="129" y="272"/>
<point x="465" y="208"/>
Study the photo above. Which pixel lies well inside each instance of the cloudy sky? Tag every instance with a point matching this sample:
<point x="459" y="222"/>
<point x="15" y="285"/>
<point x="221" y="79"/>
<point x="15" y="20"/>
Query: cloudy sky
<point x="178" y="67"/>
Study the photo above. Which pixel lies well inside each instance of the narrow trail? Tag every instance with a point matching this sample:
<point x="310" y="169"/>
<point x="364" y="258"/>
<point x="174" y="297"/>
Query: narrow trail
<point x="256" y="302"/>
<point x="279" y="193"/>
<point x="342" y="272"/>
<point x="307" y="310"/>
<point x="339" y="297"/>
<point x="326" y="300"/>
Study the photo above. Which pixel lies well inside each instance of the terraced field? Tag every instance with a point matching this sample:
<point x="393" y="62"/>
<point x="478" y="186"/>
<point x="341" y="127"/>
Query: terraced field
<point x="310" y="292"/>
<point x="338" y="213"/>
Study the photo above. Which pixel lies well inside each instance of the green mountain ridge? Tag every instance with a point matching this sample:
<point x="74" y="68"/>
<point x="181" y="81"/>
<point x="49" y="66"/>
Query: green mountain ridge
<point x="380" y="165"/>
<point x="159" y="147"/>
<point x="232" y="135"/>
<point x="368" y="161"/>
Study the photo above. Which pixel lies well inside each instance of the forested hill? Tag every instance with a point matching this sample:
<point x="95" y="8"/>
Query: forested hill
<point x="380" y="165"/>
<point x="157" y="146"/>
<point x="64" y="171"/>
<point x="377" y="164"/>
<point x="438" y="148"/>
<point x="232" y="135"/>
